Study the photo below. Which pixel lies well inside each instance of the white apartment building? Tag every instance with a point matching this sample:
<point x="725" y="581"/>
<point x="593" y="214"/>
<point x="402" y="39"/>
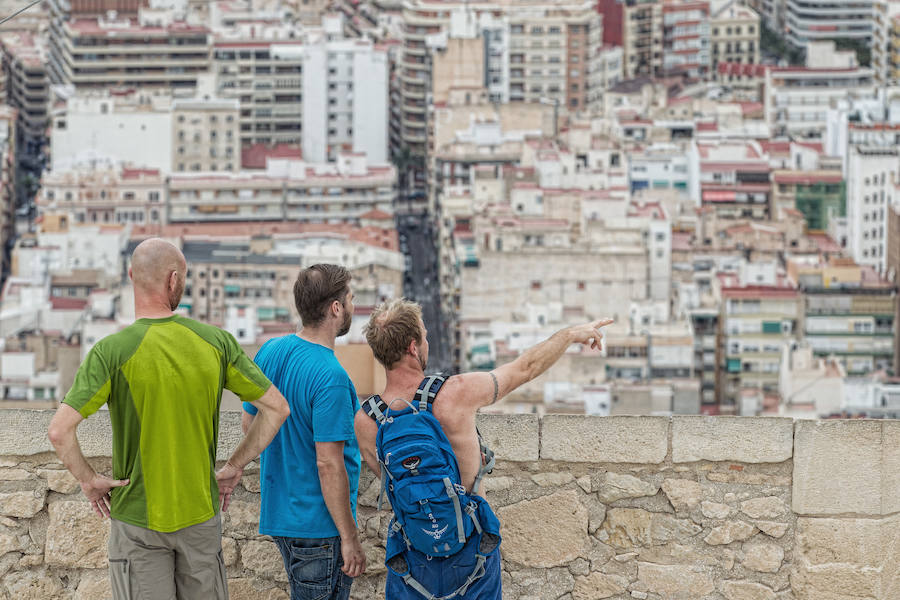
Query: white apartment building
<point x="27" y="89"/>
<point x="345" y="101"/>
<point x="176" y="135"/>
<point x="288" y="190"/>
<point x="99" y="128"/>
<point x="808" y="21"/>
<point x="873" y="174"/>
<point x="105" y="195"/>
<point x="797" y="99"/>
<point x="152" y="50"/>
<point x="886" y="41"/>
<point x="300" y="89"/>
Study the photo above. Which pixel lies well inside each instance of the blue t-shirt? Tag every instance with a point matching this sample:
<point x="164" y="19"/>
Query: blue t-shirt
<point x="323" y="403"/>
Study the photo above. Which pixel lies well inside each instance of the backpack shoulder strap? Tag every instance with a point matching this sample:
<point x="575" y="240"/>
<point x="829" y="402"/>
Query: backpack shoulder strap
<point x="375" y="408"/>
<point x="428" y="391"/>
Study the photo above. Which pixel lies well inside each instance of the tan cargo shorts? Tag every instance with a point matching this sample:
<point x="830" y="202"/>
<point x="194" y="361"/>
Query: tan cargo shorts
<point x="150" y="565"/>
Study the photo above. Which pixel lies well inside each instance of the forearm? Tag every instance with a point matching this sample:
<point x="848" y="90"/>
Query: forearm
<point x="336" y="493"/>
<point x="259" y="434"/>
<point x="69" y="452"/>
<point x="541" y="357"/>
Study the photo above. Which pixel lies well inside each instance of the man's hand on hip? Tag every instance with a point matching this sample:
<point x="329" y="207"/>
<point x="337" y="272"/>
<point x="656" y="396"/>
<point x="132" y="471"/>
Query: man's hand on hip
<point x="227" y="477"/>
<point x="97" y="488"/>
<point x="354" y="557"/>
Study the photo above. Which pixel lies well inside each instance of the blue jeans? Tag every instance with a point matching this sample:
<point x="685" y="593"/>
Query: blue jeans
<point x="313" y="567"/>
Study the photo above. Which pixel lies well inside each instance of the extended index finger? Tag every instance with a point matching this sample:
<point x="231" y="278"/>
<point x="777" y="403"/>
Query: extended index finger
<point x="602" y="323"/>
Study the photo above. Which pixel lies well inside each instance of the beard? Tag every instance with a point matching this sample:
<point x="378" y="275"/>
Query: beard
<point x="175" y="295"/>
<point x="345" y="326"/>
<point x="423" y="362"/>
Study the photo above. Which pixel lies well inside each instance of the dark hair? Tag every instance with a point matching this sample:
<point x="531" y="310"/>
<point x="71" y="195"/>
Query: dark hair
<point x="316" y="288"/>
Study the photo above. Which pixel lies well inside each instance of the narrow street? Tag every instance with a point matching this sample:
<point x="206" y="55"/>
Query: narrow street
<point x="421" y="284"/>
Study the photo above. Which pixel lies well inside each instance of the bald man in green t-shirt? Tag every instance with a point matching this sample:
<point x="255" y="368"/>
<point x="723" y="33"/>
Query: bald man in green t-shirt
<point x="162" y="378"/>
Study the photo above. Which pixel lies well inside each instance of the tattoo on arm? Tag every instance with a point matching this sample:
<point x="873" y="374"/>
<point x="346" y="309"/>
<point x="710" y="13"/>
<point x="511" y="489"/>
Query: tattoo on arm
<point x="496" y="387"/>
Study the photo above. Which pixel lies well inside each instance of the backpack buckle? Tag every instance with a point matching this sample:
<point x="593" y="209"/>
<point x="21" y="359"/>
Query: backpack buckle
<point x="460" y="489"/>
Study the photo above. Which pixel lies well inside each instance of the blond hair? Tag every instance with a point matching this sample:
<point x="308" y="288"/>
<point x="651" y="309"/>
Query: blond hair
<point x="391" y="328"/>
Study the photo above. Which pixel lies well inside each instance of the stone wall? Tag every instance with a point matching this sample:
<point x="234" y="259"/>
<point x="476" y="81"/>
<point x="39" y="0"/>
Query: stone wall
<point x="723" y="508"/>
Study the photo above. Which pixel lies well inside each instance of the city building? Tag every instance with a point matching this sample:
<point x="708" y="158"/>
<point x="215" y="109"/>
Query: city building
<point x="686" y="39"/>
<point x="733" y="178"/>
<point x="873" y="173"/>
<point x="27" y="89"/>
<point x="320" y="91"/>
<point x="849" y="313"/>
<point x="288" y="190"/>
<point x="205" y="135"/>
<point x="819" y="195"/>
<point x="886" y="42"/>
<point x="534" y="51"/>
<point x="105" y="195"/>
<point x="177" y="134"/>
<point x="797" y="99"/>
<point x="102" y="127"/>
<point x="642" y="38"/>
<point x="734" y="36"/>
<point x="115" y="50"/>
<point x="8" y="180"/>
<point x="810" y="21"/>
<point x="759" y="312"/>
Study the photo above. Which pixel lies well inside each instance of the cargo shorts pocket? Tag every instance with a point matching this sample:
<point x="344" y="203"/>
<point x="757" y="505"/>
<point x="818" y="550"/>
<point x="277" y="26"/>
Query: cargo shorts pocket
<point x="120" y="579"/>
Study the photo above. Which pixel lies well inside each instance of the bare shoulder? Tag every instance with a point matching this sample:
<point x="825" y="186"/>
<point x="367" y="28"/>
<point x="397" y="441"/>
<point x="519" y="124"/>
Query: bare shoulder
<point x="471" y="390"/>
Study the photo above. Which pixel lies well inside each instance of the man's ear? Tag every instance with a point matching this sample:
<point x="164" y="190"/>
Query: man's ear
<point x="413" y="348"/>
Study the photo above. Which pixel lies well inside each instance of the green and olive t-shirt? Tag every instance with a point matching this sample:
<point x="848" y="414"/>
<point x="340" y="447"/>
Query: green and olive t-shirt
<point x="163" y="381"/>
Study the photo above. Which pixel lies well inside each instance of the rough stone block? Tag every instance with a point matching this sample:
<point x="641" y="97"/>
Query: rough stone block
<point x="511" y="437"/>
<point x="24" y="504"/>
<point x="76" y="537"/>
<point x="604" y="439"/>
<point x="855" y="558"/>
<point x="890" y="467"/>
<point x="746" y="590"/>
<point x="598" y="585"/>
<point x="94" y="585"/>
<point x="264" y="559"/>
<point x="676" y="582"/>
<point x="549" y="531"/>
<point x="738" y="439"/>
<point x="615" y="486"/>
<point x="230" y="433"/>
<point x="249" y="589"/>
<point x="837" y="468"/>
<point x="60" y="480"/>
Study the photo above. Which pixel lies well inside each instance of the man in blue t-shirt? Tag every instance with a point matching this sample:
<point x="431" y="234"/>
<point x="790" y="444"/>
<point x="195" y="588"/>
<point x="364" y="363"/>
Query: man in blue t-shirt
<point x="310" y="472"/>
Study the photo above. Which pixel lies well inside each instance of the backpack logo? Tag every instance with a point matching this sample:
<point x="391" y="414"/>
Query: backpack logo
<point x="436" y="534"/>
<point x="411" y="463"/>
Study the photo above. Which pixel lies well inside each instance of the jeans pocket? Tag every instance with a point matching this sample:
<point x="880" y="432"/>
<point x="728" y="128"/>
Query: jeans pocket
<point x="311" y="575"/>
<point x="120" y="579"/>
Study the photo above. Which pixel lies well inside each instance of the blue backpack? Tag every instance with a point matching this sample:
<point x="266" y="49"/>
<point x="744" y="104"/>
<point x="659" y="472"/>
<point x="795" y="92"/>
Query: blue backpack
<point x="420" y="476"/>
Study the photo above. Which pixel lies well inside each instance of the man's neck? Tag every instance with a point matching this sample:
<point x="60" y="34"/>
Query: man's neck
<point x="403" y="380"/>
<point x="149" y="309"/>
<point x="323" y="336"/>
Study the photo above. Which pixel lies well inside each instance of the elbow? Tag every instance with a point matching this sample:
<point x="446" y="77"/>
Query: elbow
<point x="56" y="434"/>
<point x="284" y="411"/>
<point x="327" y="467"/>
